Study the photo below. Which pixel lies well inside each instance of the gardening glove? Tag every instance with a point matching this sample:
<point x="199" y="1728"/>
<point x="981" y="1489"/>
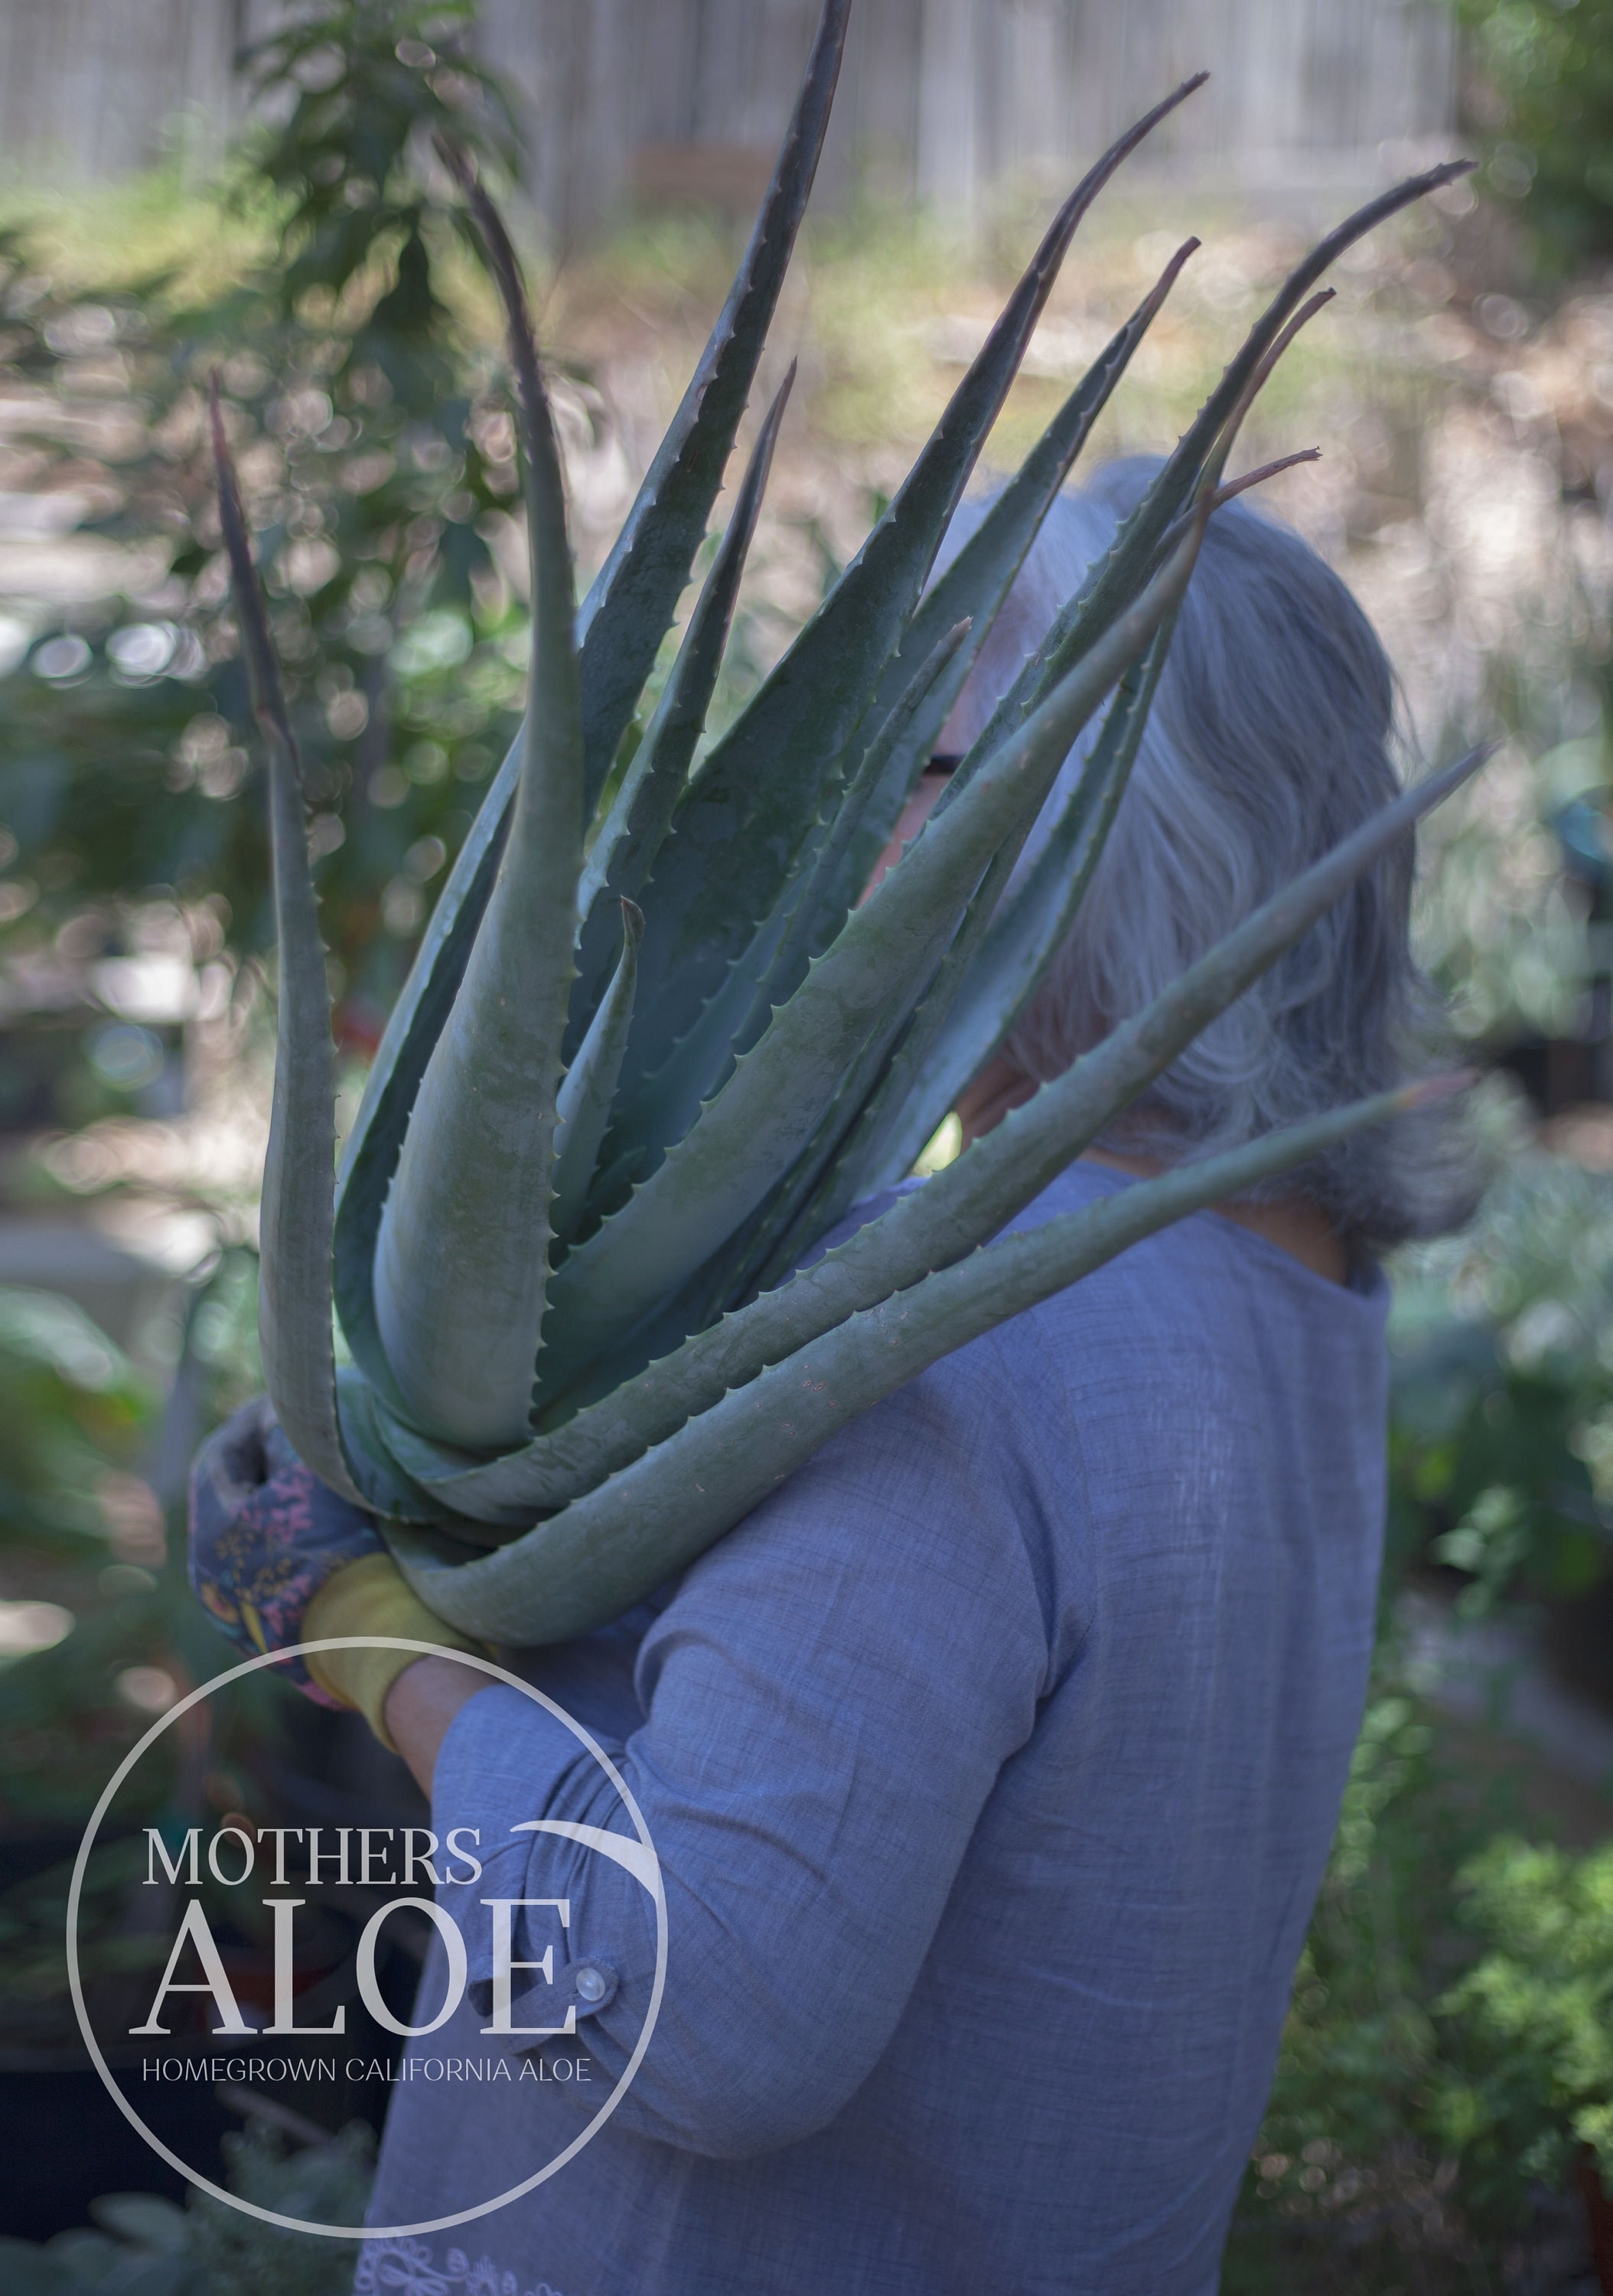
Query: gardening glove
<point x="278" y="1558"/>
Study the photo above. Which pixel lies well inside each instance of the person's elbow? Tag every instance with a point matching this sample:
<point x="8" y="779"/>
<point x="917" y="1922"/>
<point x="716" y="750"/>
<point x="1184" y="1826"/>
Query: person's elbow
<point x="727" y="2087"/>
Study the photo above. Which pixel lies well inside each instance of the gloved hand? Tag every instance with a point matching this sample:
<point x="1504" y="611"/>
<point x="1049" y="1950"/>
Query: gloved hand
<point x="277" y="1558"/>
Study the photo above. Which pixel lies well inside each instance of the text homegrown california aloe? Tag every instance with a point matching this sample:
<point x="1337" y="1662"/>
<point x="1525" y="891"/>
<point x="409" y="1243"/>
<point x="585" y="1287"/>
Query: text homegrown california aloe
<point x="645" y="1062"/>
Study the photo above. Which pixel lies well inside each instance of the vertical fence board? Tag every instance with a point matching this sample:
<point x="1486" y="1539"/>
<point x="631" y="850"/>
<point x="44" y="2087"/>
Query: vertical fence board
<point x="938" y="97"/>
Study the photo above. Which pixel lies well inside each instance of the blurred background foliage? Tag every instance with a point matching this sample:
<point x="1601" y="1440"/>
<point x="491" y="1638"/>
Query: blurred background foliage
<point x="380" y="477"/>
<point x="1540" y="88"/>
<point x="1449" y="2048"/>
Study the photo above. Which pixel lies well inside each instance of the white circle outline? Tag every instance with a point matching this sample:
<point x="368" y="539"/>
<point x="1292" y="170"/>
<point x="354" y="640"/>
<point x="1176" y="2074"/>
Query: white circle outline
<point x="251" y="2207"/>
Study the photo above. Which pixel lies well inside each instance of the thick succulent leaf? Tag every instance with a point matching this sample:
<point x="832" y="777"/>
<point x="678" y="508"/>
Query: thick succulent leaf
<point x="827" y="899"/>
<point x="882" y="1122"/>
<point x="629" y="608"/>
<point x="865" y="986"/>
<point x="417" y="1020"/>
<point x="860" y="1142"/>
<point x="631" y="835"/>
<point x="620" y="626"/>
<point x="932" y="1226"/>
<point x="383" y="1486"/>
<point x="604" y="1552"/>
<point x="462" y="1249"/>
<point x="666" y="1105"/>
<point x="657" y="1110"/>
<point x="299" y="1165"/>
<point x="1020" y="940"/>
<point x="1115" y="577"/>
<point x="975" y="586"/>
<point x="750" y="812"/>
<point x="583" y="1111"/>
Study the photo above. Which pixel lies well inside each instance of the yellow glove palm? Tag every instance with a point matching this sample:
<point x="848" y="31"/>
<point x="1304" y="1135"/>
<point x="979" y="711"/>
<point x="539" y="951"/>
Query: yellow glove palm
<point x="371" y="1596"/>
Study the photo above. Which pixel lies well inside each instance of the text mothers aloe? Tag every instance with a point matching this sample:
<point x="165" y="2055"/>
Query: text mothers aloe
<point x="645" y="1062"/>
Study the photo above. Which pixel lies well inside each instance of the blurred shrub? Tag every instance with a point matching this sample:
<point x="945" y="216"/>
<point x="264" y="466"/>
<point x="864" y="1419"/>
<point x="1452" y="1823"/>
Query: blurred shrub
<point x="146" y="2246"/>
<point x="381" y="481"/>
<point x="1545" y="96"/>
<point x="1533" y="2022"/>
<point x="72" y="1410"/>
<point x="1346" y="2185"/>
<point x="105" y="1631"/>
<point x="101" y="1633"/>
<point x="1502" y="1414"/>
<point x="1449" y="2045"/>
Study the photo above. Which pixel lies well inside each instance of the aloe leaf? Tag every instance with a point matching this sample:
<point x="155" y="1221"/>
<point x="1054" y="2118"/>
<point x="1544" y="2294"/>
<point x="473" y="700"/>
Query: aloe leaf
<point x="383" y="1485"/>
<point x="300" y="1163"/>
<point x="582" y="1109"/>
<point x="619" y="628"/>
<point x="1023" y="935"/>
<point x="629" y="608"/>
<point x="1114" y="578"/>
<point x="883" y="1133"/>
<point x="369" y="1157"/>
<point x="950" y="1215"/>
<point x="747" y="1137"/>
<point x="657" y="1110"/>
<point x="624" y="850"/>
<point x="825" y="901"/>
<point x="1083" y="616"/>
<point x="1202" y="448"/>
<point x="743" y="824"/>
<point x="858" y="1143"/>
<point x="605" y="1551"/>
<point x="772" y="968"/>
<point x="978" y="580"/>
<point x="461" y="1252"/>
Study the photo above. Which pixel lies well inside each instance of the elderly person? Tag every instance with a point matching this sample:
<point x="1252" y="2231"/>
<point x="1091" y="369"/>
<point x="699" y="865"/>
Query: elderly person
<point x="992" y="1763"/>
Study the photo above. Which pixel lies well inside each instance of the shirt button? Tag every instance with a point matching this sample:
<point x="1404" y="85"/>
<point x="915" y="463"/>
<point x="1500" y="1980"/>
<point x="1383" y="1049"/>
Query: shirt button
<point x="590" y="1984"/>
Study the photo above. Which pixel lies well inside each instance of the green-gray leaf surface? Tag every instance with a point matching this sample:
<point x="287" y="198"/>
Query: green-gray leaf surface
<point x="630" y="606"/>
<point x="750" y="810"/>
<point x="604" y="1552"/>
<point x="463" y="1251"/>
<point x="932" y="1226"/>
<point x="299" y="1170"/>
<point x="746" y="1138"/>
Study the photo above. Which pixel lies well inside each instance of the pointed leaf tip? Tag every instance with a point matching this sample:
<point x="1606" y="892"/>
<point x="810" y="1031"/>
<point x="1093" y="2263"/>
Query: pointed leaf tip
<point x="587" y="1094"/>
<point x="625" y="851"/>
<point x="299" y="1170"/>
<point x="632" y="603"/>
<point x="462" y="1250"/>
<point x="263" y="667"/>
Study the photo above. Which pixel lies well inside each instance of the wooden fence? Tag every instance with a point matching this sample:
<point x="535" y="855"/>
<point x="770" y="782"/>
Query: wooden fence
<point x="938" y="97"/>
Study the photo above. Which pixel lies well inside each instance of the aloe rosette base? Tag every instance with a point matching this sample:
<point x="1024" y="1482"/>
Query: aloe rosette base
<point x="653" y="1048"/>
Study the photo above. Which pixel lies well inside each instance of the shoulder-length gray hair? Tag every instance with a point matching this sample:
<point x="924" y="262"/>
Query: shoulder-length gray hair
<point x="1269" y="740"/>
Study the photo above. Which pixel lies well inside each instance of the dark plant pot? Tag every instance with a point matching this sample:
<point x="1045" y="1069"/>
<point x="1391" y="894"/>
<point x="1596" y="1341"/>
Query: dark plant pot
<point x="1599" y="2218"/>
<point x="1577" y="1642"/>
<point x="65" y="2143"/>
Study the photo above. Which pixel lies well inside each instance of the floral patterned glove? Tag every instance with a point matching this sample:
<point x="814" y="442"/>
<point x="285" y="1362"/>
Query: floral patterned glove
<point x="277" y="1559"/>
<point x="266" y="1535"/>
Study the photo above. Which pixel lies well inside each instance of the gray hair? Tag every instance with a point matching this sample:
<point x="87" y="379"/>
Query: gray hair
<point x="1269" y="740"/>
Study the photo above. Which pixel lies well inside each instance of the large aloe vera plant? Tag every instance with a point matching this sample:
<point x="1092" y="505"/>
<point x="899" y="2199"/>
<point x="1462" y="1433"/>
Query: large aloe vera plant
<point x="653" y="1049"/>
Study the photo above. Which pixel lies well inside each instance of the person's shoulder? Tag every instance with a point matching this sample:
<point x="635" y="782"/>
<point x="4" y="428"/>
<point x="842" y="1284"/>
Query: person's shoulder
<point x="1204" y="1315"/>
<point x="1198" y="1266"/>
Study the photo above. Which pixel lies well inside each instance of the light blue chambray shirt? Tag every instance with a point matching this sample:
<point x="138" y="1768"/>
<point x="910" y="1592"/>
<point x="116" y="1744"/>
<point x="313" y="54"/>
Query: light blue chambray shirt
<point x="992" y="1765"/>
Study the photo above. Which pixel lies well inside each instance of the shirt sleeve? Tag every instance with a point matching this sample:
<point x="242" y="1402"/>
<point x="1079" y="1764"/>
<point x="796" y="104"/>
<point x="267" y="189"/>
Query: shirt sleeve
<point x="827" y="1697"/>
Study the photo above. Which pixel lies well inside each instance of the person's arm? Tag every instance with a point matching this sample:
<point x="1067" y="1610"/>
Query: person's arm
<point x="420" y="1707"/>
<point x="829" y="1697"/>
